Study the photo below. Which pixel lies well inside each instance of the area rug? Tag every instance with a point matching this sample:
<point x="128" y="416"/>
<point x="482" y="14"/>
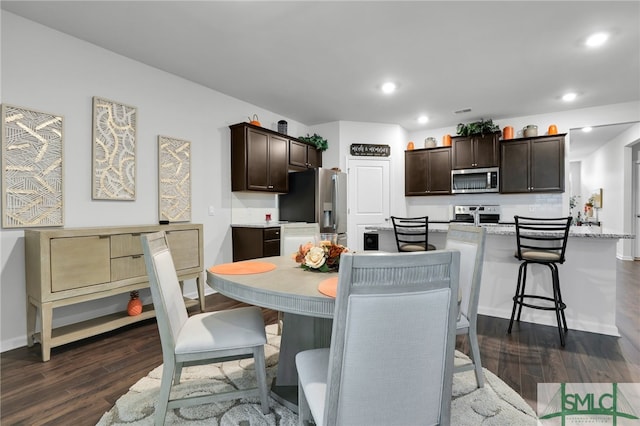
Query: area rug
<point x="495" y="404"/>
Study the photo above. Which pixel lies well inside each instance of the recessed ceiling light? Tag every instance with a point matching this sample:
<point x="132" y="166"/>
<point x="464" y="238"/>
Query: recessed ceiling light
<point x="389" y="87"/>
<point x="568" y="97"/>
<point x="587" y="129"/>
<point x="597" y="39"/>
<point x="423" y="119"/>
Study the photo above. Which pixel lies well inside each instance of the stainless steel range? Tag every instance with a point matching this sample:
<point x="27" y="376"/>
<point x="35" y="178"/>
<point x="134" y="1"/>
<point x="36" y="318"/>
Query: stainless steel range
<point x="476" y="214"/>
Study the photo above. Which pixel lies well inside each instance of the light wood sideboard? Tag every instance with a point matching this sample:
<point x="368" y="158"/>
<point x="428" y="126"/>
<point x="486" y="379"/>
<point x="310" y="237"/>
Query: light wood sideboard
<point x="69" y="266"/>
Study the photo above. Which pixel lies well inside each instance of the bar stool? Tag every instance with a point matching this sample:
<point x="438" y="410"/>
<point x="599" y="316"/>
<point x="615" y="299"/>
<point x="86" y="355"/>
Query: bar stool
<point x="412" y="233"/>
<point x="541" y="241"/>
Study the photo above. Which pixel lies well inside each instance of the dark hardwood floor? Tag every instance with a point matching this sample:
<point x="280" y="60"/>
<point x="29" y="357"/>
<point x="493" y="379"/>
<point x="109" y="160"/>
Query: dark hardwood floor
<point x="83" y="379"/>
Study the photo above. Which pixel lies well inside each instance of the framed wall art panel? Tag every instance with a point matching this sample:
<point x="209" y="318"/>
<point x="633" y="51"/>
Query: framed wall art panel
<point x="114" y="150"/>
<point x="32" y="168"/>
<point x="174" y="179"/>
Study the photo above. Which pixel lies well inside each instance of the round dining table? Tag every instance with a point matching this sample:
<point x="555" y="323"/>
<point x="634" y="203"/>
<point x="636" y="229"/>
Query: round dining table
<point x="287" y="288"/>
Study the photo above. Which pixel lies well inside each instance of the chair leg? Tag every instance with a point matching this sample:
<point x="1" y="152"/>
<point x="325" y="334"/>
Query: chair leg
<point x="522" y="289"/>
<point x="556" y="300"/>
<point x="515" y="298"/>
<point x="177" y="374"/>
<point x="280" y="319"/>
<point x="475" y="355"/>
<point x="163" y="396"/>
<point x="261" y="377"/>
<point x="304" y="412"/>
<point x="564" y="319"/>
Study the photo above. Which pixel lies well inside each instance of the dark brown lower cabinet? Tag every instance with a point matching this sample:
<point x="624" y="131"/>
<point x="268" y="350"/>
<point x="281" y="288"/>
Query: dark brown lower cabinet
<point x="252" y="243"/>
<point x="532" y="165"/>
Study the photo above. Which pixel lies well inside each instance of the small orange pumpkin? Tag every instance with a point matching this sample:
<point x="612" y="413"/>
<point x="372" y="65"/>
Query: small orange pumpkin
<point x="553" y="129"/>
<point x="134" y="307"/>
<point x="410" y="145"/>
<point x="254" y="120"/>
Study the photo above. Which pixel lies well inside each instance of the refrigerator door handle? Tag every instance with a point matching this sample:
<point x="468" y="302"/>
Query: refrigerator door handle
<point x="334" y="201"/>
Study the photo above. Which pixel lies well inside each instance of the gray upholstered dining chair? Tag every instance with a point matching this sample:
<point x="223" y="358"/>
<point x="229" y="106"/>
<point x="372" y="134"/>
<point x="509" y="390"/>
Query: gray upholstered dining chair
<point x="470" y="241"/>
<point x="292" y="236"/>
<point x="202" y="338"/>
<point x="412" y="233"/>
<point x="392" y="345"/>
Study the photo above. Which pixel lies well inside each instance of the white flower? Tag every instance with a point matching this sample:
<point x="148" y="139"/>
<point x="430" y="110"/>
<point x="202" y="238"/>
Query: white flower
<point x="315" y="257"/>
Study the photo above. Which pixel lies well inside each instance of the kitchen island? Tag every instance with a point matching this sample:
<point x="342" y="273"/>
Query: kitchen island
<point x="587" y="278"/>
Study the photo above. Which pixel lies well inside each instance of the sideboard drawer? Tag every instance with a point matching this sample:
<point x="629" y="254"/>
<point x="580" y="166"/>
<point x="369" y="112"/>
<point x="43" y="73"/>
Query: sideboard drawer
<point x="128" y="267"/>
<point x="126" y="244"/>
<point x="79" y="262"/>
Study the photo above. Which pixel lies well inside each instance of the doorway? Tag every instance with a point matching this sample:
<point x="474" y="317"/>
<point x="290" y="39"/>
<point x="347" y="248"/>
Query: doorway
<point x="368" y="195"/>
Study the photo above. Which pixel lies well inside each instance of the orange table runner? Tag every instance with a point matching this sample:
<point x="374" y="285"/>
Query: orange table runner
<point x="242" y="268"/>
<point x="329" y="286"/>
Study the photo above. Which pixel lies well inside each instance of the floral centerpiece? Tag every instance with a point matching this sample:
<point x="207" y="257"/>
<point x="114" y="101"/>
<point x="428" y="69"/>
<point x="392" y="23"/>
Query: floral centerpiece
<point x="323" y="257"/>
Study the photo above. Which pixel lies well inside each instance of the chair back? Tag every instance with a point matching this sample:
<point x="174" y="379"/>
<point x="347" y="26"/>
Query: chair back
<point x="470" y="241"/>
<point x="412" y="233"/>
<point x="393" y="337"/>
<point x="542" y="239"/>
<point x="293" y="235"/>
<point x="168" y="301"/>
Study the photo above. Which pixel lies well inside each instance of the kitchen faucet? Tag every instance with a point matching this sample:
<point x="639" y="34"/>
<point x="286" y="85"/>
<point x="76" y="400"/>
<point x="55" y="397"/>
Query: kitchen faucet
<point x="476" y="216"/>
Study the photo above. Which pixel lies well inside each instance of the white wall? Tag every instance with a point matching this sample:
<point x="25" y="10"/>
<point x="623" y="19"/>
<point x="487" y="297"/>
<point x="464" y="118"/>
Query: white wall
<point x="49" y="71"/>
<point x="610" y="168"/>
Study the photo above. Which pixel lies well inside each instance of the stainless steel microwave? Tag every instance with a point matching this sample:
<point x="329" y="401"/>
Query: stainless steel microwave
<point x="475" y="180"/>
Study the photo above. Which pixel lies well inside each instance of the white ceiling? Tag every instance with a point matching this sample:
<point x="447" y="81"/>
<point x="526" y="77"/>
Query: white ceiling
<point x="317" y="62"/>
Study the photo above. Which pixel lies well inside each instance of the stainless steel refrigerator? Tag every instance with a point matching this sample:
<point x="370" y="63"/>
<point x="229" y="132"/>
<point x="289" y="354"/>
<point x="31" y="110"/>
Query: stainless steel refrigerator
<point x="317" y="196"/>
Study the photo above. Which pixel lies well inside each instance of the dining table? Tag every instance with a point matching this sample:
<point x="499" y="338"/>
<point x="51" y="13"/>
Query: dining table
<point x="279" y="283"/>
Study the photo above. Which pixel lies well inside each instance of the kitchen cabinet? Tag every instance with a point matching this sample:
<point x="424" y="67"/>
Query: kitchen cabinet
<point x="251" y="242"/>
<point x="475" y="151"/>
<point x="70" y="266"/>
<point x="303" y="156"/>
<point x="259" y="159"/>
<point x="427" y="171"/>
<point x="532" y="164"/>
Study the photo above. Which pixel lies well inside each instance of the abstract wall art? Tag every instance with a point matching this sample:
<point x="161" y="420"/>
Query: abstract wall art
<point x="32" y="173"/>
<point x="174" y="179"/>
<point x="114" y="150"/>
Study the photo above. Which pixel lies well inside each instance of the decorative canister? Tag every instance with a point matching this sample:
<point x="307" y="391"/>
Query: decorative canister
<point x="446" y="140"/>
<point x="507" y="132"/>
<point x="410" y="146"/>
<point x="430" y="143"/>
<point x="530" y="130"/>
<point x="282" y="127"/>
<point x="553" y="129"/>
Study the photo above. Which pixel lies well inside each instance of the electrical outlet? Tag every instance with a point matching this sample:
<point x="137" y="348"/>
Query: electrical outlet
<point x="212" y="211"/>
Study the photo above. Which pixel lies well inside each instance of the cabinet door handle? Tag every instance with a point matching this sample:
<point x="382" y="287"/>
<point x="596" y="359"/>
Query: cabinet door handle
<point x="270" y="186"/>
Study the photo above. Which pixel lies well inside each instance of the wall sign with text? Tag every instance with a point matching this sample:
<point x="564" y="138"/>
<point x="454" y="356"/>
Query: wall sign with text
<point x="369" y="150"/>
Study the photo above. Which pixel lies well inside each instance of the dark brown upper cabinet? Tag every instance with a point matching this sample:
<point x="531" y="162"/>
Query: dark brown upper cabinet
<point x="427" y="171"/>
<point x="259" y="159"/>
<point x="303" y="156"/>
<point x="532" y="164"/>
<point x="475" y="151"/>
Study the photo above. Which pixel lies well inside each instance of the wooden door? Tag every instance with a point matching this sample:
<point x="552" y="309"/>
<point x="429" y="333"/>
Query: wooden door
<point x="486" y="150"/>
<point x="514" y="170"/>
<point x="297" y="154"/>
<point x="547" y="165"/>
<point x="368" y="197"/>
<point x="415" y="172"/>
<point x="257" y="165"/>
<point x="439" y="171"/>
<point x="278" y="164"/>
<point x="462" y="152"/>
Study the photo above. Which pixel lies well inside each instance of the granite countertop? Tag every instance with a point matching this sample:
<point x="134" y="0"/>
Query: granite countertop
<point x="270" y="224"/>
<point x="502" y="229"/>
